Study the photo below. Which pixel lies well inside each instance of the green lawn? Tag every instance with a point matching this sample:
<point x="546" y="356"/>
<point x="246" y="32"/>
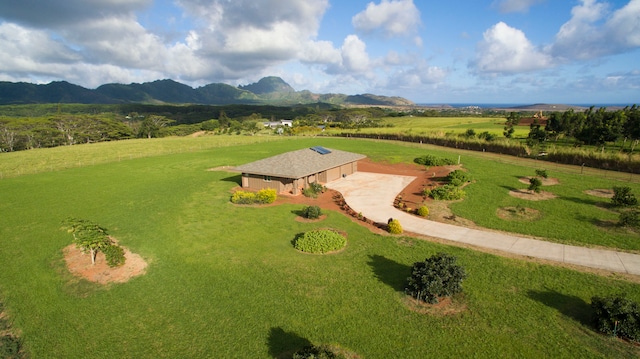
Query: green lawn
<point x="225" y="282"/>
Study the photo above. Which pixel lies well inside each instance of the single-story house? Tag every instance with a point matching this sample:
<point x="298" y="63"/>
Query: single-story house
<point x="275" y="124"/>
<point x="293" y="171"/>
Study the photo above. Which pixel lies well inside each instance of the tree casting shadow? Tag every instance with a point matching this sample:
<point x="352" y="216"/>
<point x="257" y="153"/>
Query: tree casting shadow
<point x="569" y="305"/>
<point x="283" y="344"/>
<point x="390" y="272"/>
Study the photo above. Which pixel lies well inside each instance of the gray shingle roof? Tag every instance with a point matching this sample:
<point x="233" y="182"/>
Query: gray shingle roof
<point x="300" y="163"/>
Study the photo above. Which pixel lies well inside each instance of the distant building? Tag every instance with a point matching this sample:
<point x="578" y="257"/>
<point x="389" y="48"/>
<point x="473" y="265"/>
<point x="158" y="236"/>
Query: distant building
<point x="293" y="171"/>
<point x="275" y="124"/>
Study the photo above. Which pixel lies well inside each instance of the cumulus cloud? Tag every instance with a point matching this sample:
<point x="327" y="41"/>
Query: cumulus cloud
<point x="505" y="49"/>
<point x="507" y="6"/>
<point x="584" y="36"/>
<point x="392" y="17"/>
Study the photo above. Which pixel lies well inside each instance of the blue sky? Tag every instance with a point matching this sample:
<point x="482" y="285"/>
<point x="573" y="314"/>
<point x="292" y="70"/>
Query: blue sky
<point x="465" y="51"/>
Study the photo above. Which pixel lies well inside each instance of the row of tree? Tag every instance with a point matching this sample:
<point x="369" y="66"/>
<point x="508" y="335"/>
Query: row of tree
<point x="590" y="127"/>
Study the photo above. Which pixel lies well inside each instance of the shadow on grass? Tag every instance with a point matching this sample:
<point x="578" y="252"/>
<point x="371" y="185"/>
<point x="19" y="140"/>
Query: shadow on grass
<point x="600" y="223"/>
<point x="390" y="272"/>
<point x="283" y="344"/>
<point x="237" y="179"/>
<point x="577" y="200"/>
<point x="510" y="188"/>
<point x="569" y="305"/>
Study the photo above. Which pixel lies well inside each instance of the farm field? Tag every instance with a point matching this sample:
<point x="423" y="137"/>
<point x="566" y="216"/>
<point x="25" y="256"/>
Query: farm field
<point x="224" y="281"/>
<point x="457" y="125"/>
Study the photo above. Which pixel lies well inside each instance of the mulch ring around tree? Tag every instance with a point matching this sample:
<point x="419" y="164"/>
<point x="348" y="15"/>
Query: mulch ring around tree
<point x="79" y="264"/>
<point x="445" y="306"/>
<point x="544" y="181"/>
<point x="523" y="214"/>
<point x="531" y="195"/>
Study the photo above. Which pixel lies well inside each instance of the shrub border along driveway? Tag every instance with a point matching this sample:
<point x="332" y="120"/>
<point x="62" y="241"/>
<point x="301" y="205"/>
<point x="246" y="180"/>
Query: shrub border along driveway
<point x="372" y="194"/>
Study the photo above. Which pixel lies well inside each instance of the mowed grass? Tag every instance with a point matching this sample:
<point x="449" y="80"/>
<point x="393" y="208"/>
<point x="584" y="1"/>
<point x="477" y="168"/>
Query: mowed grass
<point x="225" y="282"/>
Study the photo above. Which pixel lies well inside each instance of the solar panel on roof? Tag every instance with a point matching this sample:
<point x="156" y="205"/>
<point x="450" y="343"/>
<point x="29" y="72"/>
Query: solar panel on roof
<point x="321" y="150"/>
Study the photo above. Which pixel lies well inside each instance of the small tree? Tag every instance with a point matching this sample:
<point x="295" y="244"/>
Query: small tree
<point x="88" y="236"/>
<point x="622" y="197"/>
<point x="438" y="276"/>
<point x="535" y="184"/>
<point x="629" y="219"/>
<point x="542" y="173"/>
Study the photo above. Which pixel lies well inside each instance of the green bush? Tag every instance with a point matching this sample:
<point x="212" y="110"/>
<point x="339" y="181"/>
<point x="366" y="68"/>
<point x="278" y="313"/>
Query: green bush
<point x="458" y="178"/>
<point x="266" y="196"/>
<point x="313" y="190"/>
<point x="535" y="184"/>
<point x="311" y="212"/>
<point x="431" y="160"/>
<point x="622" y="197"/>
<point x="617" y="315"/>
<point x="447" y="192"/>
<point x="423" y="211"/>
<point x="438" y="276"/>
<point x="320" y="241"/>
<point x="114" y="255"/>
<point x="629" y="219"/>
<point x="394" y="227"/>
<point x="243" y="197"/>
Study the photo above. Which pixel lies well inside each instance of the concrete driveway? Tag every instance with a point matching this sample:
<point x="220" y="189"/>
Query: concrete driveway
<point x="373" y="195"/>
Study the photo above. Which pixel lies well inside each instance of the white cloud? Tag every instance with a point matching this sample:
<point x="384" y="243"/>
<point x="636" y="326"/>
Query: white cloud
<point x="392" y="17"/>
<point x="585" y="37"/>
<point x="505" y="49"/>
<point x="354" y="55"/>
<point x="507" y="6"/>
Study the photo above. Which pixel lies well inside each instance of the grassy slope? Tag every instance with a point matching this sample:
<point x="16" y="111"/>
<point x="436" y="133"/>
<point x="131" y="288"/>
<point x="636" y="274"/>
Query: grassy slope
<point x="224" y="281"/>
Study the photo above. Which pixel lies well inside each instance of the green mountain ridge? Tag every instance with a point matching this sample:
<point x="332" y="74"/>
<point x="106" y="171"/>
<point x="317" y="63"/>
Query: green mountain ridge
<point x="270" y="90"/>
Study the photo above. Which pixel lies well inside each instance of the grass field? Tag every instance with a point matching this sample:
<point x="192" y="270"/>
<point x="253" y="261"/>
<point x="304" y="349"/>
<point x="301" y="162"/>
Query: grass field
<point x="457" y="125"/>
<point x="225" y="282"/>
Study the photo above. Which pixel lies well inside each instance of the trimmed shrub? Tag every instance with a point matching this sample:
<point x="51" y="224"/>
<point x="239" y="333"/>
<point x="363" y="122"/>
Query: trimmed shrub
<point x="320" y="241"/>
<point x="114" y="255"/>
<point x="431" y="160"/>
<point x="622" y="197"/>
<point x="266" y="196"/>
<point x="535" y="184"/>
<point x="617" y="315"/>
<point x="458" y="178"/>
<point x="263" y="196"/>
<point x="394" y="227"/>
<point x="629" y="219"/>
<point x="423" y="211"/>
<point x="243" y="197"/>
<point x="438" y="276"/>
<point x="311" y="212"/>
<point x="447" y="192"/>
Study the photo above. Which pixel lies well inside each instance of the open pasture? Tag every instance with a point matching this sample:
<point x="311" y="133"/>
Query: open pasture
<point x="456" y="125"/>
<point x="223" y="281"/>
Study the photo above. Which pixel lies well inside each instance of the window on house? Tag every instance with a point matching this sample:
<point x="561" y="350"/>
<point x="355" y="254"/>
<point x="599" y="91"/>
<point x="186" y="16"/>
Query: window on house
<point x="267" y="178"/>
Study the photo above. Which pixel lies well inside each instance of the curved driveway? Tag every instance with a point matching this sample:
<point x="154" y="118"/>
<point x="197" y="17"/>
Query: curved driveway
<point x="373" y="195"/>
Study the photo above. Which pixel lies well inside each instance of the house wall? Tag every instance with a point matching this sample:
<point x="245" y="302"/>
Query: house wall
<point x="294" y="186"/>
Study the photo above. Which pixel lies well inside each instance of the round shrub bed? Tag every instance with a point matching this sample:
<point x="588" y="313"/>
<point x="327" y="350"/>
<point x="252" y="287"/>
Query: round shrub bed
<point x="320" y="241"/>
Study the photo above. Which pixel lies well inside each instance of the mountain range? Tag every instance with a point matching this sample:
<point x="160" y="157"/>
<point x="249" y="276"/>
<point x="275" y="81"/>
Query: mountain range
<point x="270" y="90"/>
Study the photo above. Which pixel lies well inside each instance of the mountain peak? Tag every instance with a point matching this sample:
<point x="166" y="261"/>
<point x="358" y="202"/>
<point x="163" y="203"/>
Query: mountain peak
<point x="268" y="84"/>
